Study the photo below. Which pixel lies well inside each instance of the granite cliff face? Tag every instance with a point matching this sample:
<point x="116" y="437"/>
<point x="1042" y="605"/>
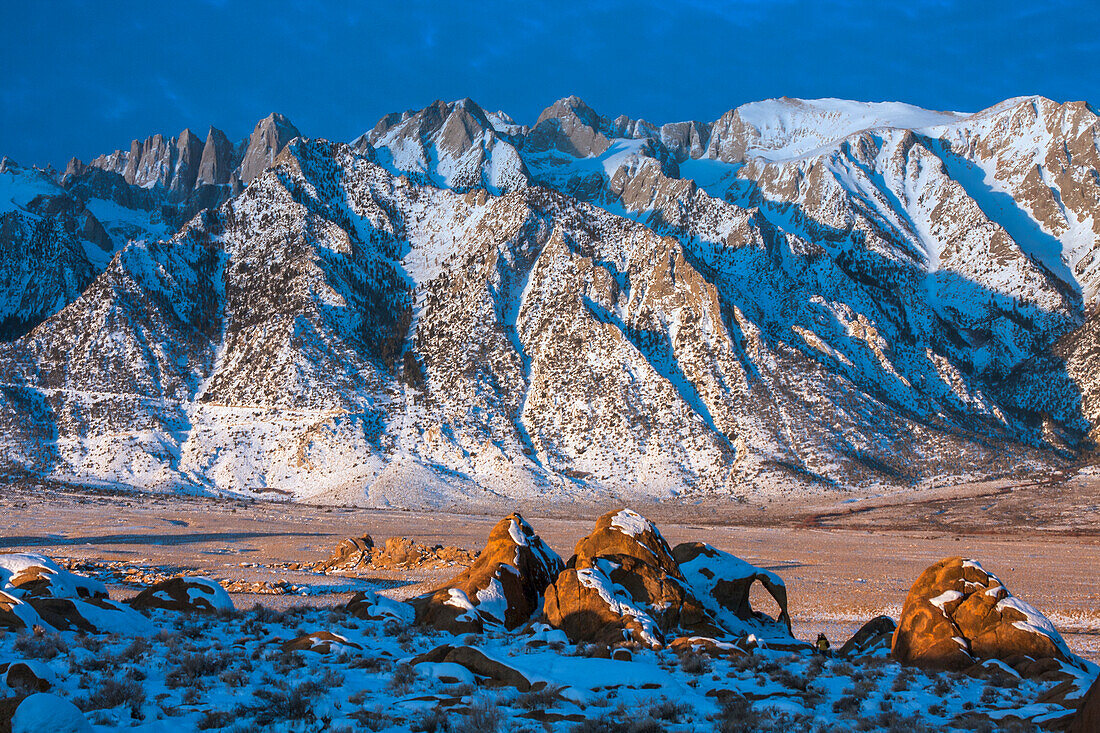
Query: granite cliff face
<point x="456" y="308"/>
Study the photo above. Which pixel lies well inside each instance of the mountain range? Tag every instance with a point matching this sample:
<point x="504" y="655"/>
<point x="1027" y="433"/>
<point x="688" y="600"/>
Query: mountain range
<point x="455" y="309"/>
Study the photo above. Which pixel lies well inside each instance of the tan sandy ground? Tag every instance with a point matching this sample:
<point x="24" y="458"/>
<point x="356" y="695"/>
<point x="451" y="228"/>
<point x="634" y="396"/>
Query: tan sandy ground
<point x="843" y="560"/>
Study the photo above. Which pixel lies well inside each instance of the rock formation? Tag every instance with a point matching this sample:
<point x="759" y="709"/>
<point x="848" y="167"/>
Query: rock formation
<point x="623" y="584"/>
<point x="352" y="553"/>
<point x="503" y="588"/>
<point x="185" y="595"/>
<point x="957" y="613"/>
<point x="874" y="637"/>
<point x="35" y="591"/>
<point x="722" y="583"/>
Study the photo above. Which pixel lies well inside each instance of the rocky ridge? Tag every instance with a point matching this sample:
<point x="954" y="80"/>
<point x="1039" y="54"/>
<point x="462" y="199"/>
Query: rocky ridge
<point x="799" y="296"/>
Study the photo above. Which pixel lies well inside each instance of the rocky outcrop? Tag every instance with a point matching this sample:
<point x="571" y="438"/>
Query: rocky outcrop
<point x="267" y="140"/>
<point x="570" y="126"/>
<point x="35" y="591"/>
<point x="178" y="165"/>
<point x="453" y="144"/>
<point x="957" y="613"/>
<point x="623" y="584"/>
<point x="217" y="162"/>
<point x="874" y="637"/>
<point x="360" y="554"/>
<point x="184" y="595"/>
<point x="352" y="553"/>
<point x="503" y="588"/>
<point x="320" y="642"/>
<point x="722" y="582"/>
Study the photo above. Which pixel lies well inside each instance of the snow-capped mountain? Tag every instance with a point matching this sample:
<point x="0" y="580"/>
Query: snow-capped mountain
<point x="799" y="296"/>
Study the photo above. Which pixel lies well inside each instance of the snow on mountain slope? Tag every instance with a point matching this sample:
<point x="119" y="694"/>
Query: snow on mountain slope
<point x="454" y="145"/>
<point x="782" y="129"/>
<point x="457" y="309"/>
<point x="51" y="246"/>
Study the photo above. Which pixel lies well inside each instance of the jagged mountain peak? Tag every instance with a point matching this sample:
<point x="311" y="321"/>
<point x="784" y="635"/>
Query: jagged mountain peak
<point x="455" y="144"/>
<point x="267" y="140"/>
<point x="571" y="106"/>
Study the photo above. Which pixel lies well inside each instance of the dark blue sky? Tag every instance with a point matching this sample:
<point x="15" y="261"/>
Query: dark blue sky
<point x="80" y="78"/>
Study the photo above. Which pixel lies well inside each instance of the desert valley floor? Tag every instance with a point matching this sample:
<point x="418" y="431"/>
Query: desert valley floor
<point x="844" y="559"/>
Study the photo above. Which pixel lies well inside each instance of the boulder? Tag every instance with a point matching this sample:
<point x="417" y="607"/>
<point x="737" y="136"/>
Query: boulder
<point x="722" y="582"/>
<point x="36" y="591"/>
<point x="491" y="672"/>
<point x="503" y="588"/>
<point x="320" y="642"/>
<point x="874" y="636"/>
<point x="627" y="533"/>
<point x="26" y="677"/>
<point x="623" y="584"/>
<point x="957" y="614"/>
<point x="185" y="595"/>
<point x="710" y="647"/>
<point x="14" y="614"/>
<point x="1087" y="719"/>
<point x="370" y="606"/>
<point x="46" y="712"/>
<point x="354" y="552"/>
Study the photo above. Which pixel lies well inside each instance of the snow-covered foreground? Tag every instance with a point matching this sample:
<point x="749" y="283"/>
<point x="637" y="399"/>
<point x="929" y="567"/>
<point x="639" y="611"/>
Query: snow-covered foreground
<point x="230" y="671"/>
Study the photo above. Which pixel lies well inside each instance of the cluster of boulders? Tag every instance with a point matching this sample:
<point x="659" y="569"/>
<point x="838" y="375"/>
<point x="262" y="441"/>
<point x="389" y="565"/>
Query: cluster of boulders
<point x="116" y="571"/>
<point x="623" y="586"/>
<point x="396" y="553"/>
<point x="36" y="592"/>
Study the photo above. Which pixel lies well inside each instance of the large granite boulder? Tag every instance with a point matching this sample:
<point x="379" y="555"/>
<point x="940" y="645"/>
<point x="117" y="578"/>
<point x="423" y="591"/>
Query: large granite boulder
<point x="503" y="588"/>
<point x="185" y="595"/>
<point x="623" y="584"/>
<point x="36" y="591"/>
<point x="722" y="583"/>
<point x="957" y="614"/>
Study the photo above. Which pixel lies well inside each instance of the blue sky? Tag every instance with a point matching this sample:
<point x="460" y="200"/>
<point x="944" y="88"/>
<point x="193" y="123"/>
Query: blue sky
<point x="81" y="78"/>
